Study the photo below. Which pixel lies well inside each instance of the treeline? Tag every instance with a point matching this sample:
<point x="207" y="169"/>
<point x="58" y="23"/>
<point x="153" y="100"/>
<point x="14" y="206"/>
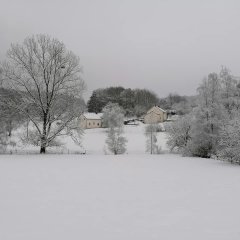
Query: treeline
<point x="136" y="102"/>
<point x="212" y="129"/>
<point x="181" y="104"/>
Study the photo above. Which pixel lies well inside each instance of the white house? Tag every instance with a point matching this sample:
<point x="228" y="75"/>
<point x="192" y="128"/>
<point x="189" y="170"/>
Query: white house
<point x="155" y="115"/>
<point x="91" y="120"/>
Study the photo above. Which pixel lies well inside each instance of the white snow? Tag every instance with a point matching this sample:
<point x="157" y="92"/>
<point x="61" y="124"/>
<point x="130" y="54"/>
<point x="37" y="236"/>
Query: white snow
<point x="93" y="116"/>
<point x="94" y="140"/>
<point x="135" y="196"/>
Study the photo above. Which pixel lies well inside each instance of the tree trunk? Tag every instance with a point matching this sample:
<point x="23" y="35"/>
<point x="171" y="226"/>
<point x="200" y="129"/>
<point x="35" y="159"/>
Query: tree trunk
<point x="44" y="135"/>
<point x="151" y="142"/>
<point x="10" y="133"/>
<point x="27" y="128"/>
<point x="10" y="128"/>
<point x="43" y="144"/>
<point x="43" y="149"/>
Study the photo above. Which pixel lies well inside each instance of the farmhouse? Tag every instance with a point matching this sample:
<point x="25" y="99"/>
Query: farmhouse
<point x="155" y="115"/>
<point x="91" y="120"/>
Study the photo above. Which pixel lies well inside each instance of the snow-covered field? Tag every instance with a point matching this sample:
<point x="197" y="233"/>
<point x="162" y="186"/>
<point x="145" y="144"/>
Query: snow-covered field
<point x="135" y="196"/>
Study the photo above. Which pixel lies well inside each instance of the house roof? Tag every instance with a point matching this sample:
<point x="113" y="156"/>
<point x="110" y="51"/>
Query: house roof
<point x="155" y="107"/>
<point x="93" y="116"/>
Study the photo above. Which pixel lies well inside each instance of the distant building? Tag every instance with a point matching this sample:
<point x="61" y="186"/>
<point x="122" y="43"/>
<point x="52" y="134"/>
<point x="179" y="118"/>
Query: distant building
<point x="91" y="120"/>
<point x="172" y="115"/>
<point x="155" y="115"/>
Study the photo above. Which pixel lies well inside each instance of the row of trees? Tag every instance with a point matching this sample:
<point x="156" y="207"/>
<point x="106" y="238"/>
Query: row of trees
<point x="135" y="102"/>
<point x="213" y="127"/>
<point x="181" y="104"/>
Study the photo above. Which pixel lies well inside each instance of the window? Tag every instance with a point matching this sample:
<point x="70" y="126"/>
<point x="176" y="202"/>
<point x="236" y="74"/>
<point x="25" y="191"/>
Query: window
<point x="98" y="124"/>
<point x="89" y="124"/>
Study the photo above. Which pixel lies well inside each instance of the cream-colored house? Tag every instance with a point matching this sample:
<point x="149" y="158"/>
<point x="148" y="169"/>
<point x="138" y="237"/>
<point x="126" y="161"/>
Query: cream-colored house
<point x="155" y="115"/>
<point x="91" y="120"/>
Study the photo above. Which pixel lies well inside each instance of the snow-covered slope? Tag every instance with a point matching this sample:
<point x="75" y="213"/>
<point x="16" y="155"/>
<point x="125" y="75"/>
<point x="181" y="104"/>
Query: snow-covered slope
<point x="135" y="196"/>
<point x="130" y="197"/>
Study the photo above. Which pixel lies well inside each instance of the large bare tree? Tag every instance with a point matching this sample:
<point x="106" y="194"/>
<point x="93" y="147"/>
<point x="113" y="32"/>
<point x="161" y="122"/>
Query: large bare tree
<point x="47" y="79"/>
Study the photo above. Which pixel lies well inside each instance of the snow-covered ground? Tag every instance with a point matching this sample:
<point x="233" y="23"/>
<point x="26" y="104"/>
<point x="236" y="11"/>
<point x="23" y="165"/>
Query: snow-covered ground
<point x="94" y="140"/>
<point x="135" y="196"/>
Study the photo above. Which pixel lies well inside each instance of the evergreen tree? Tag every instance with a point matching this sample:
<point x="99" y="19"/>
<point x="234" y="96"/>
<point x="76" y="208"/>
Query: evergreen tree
<point x="93" y="104"/>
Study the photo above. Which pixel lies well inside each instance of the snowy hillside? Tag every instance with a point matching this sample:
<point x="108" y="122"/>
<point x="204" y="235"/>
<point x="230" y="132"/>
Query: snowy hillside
<point x="131" y="197"/>
<point x="135" y="196"/>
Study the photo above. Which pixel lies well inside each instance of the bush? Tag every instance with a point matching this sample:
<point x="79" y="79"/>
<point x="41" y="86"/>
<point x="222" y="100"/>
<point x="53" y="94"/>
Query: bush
<point x="179" y="133"/>
<point x="229" y="143"/>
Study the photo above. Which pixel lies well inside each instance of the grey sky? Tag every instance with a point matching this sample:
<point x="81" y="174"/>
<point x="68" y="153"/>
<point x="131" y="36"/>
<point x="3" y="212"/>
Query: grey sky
<point x="164" y="45"/>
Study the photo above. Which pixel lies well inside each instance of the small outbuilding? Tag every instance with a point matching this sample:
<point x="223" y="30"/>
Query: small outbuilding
<point x="172" y="115"/>
<point x="91" y="120"/>
<point x="155" y="115"/>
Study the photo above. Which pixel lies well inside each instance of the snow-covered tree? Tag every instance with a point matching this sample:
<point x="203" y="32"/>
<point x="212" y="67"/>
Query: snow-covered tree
<point x="230" y="92"/>
<point x="214" y="127"/>
<point x="47" y="78"/>
<point x="3" y="142"/>
<point x="113" y="115"/>
<point x="75" y="132"/>
<point x="115" y="141"/>
<point x="179" y="133"/>
<point x="208" y="115"/>
<point x="113" y="118"/>
<point x="10" y="117"/>
<point x="202" y="142"/>
<point x="229" y="143"/>
<point x="198" y="133"/>
<point x="151" y="143"/>
<point x="3" y="134"/>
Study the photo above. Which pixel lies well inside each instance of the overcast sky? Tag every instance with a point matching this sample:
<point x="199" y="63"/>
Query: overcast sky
<point x="164" y="45"/>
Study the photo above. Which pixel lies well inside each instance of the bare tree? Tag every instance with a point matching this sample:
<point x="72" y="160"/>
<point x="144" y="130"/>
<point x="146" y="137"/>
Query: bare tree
<point x="47" y="78"/>
<point x="151" y="143"/>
